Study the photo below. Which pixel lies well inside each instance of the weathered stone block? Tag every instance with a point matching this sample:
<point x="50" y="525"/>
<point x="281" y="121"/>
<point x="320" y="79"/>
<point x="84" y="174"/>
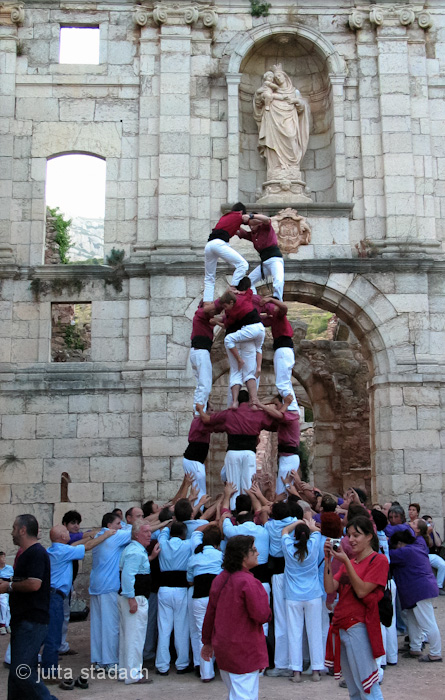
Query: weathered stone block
<point x="18" y="427"/>
<point x="77" y="468"/>
<point x="85" y="492"/>
<point x="5" y="493"/>
<point x="421" y="396"/>
<point x="112" y="468"/>
<point x="156" y="469"/>
<point x="418" y="439"/>
<point x="70" y="447"/>
<point x="88" y="403"/>
<point x="124" y="447"/>
<point x="57" y="426"/>
<point x="35" y="493"/>
<point x="160" y="424"/>
<point x="123" y="492"/>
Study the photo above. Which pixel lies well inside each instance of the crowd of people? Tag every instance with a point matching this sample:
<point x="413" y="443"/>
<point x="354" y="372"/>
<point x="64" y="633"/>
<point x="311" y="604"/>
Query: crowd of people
<point x="303" y="575"/>
<point x="318" y="584"/>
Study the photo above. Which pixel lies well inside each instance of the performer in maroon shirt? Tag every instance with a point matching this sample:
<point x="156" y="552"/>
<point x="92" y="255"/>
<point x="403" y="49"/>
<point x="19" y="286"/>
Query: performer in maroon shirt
<point x="201" y="340"/>
<point x="265" y="242"/>
<point x="243" y="428"/>
<point x="218" y="247"/>
<point x="196" y="454"/>
<point x="284" y="357"/>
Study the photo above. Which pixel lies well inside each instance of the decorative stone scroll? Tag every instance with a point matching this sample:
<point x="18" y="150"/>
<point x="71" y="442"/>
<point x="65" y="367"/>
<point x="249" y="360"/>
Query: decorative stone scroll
<point x="175" y="14"/>
<point x="292" y="230"/>
<point x="377" y="16"/>
<point x="11" y="13"/>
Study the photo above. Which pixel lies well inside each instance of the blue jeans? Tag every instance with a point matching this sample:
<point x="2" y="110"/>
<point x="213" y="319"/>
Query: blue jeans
<point x="53" y="639"/>
<point x="26" y="639"/>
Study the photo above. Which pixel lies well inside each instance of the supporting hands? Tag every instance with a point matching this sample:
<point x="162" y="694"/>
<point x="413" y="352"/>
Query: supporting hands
<point x="155" y="552"/>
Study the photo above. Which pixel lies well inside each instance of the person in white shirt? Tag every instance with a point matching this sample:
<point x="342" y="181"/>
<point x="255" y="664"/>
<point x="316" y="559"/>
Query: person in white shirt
<point x="6" y="571"/>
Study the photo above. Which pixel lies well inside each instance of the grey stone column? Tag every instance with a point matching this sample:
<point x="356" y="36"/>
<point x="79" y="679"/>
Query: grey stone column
<point x="10" y="15"/>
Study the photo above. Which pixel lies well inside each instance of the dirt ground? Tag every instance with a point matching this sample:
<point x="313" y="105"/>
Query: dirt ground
<point x="409" y="680"/>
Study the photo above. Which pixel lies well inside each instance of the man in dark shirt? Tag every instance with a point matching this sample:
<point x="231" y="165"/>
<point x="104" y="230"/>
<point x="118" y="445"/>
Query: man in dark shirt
<point x="29" y="595"/>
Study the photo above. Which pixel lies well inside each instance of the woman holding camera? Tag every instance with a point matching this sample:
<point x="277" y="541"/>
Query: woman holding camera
<point x="360" y="583"/>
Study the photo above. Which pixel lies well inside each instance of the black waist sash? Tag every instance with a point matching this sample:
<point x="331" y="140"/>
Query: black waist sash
<point x="201" y="342"/>
<point x="251" y="317"/>
<point x="288" y="449"/>
<point x="271" y="251"/>
<point x="219" y="233"/>
<point x="142" y="585"/>
<point x="197" y="451"/>
<point x="242" y="442"/>
<point x="173" y="579"/>
<point x="201" y="585"/>
<point x="262" y="572"/>
<point x="276" y="565"/>
<point x="283" y="341"/>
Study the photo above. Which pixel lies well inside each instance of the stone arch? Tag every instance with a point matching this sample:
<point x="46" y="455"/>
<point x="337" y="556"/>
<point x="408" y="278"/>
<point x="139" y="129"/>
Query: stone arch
<point x="324" y="172"/>
<point x="239" y="47"/>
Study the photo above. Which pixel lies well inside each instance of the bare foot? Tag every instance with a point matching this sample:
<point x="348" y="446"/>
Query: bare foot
<point x="234" y="405"/>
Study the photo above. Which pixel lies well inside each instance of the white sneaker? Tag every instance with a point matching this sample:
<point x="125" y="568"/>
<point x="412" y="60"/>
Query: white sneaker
<point x="8" y="629"/>
<point x="279" y="672"/>
<point x="2" y="630"/>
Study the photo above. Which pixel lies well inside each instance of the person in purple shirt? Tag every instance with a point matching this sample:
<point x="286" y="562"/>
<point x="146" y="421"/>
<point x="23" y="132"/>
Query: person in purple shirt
<point x="416" y="586"/>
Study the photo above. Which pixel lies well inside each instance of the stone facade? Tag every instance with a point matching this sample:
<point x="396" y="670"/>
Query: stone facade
<point x="167" y="107"/>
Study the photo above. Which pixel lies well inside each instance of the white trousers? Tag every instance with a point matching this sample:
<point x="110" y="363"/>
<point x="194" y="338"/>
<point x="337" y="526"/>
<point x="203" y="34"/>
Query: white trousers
<point x="249" y="341"/>
<point x="198" y="608"/>
<point x="195" y="637"/>
<point x="132" y="631"/>
<point x="240" y="468"/>
<point x="439" y="564"/>
<point x="283" y="362"/>
<point x="266" y="587"/>
<point x="5" y="615"/>
<point x="220" y="249"/>
<point x="274" y="267"/>
<point x="64" y="646"/>
<point x="172" y="615"/>
<point x="325" y="623"/>
<point x="285" y="464"/>
<point x="280" y="622"/>
<point x="202" y="370"/>
<point x="241" y="686"/>
<point x="299" y="613"/>
<point x="198" y="471"/>
<point x="104" y="628"/>
<point x="420" y="620"/>
<point x="389" y="634"/>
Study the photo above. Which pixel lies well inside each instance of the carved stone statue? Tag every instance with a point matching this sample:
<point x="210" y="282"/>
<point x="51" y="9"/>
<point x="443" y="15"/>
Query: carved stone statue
<point x="282" y="115"/>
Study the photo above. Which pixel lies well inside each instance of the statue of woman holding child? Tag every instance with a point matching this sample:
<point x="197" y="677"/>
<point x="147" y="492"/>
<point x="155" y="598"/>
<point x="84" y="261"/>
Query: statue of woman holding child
<point x="282" y="115"/>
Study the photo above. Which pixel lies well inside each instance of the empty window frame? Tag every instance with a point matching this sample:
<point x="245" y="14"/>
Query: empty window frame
<point x="79" y="45"/>
<point x="71" y="332"/>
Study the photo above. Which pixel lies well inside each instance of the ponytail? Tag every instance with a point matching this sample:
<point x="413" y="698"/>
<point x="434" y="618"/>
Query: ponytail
<point x="302" y="534"/>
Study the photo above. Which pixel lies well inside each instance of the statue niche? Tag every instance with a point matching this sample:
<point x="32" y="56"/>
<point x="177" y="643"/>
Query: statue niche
<point x="282" y="117"/>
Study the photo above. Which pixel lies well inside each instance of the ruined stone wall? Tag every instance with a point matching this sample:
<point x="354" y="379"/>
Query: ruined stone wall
<point x="164" y="108"/>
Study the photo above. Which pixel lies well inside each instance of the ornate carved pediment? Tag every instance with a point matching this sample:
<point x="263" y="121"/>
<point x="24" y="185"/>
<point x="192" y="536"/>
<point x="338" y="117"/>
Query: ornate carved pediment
<point x="379" y="15"/>
<point x="11" y="13"/>
<point x="177" y="14"/>
<point x="292" y="230"/>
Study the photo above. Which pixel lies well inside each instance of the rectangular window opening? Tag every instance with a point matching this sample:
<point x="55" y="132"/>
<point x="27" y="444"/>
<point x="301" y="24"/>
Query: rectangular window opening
<point x="71" y="332"/>
<point x="79" y="45"/>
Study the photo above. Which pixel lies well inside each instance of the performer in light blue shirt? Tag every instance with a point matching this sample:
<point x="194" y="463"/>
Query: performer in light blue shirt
<point x="61" y="555"/>
<point x="303" y="594"/>
<point x="133" y="602"/>
<point x="104" y="585"/>
<point x="203" y="566"/>
<point x="172" y="597"/>
<point x="6" y="571"/>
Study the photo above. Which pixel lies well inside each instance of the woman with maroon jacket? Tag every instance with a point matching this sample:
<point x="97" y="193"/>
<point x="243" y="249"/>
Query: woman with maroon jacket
<point x="236" y="595"/>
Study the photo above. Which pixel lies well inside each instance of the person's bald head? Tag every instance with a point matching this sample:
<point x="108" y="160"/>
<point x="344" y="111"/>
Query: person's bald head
<point x="59" y="533"/>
